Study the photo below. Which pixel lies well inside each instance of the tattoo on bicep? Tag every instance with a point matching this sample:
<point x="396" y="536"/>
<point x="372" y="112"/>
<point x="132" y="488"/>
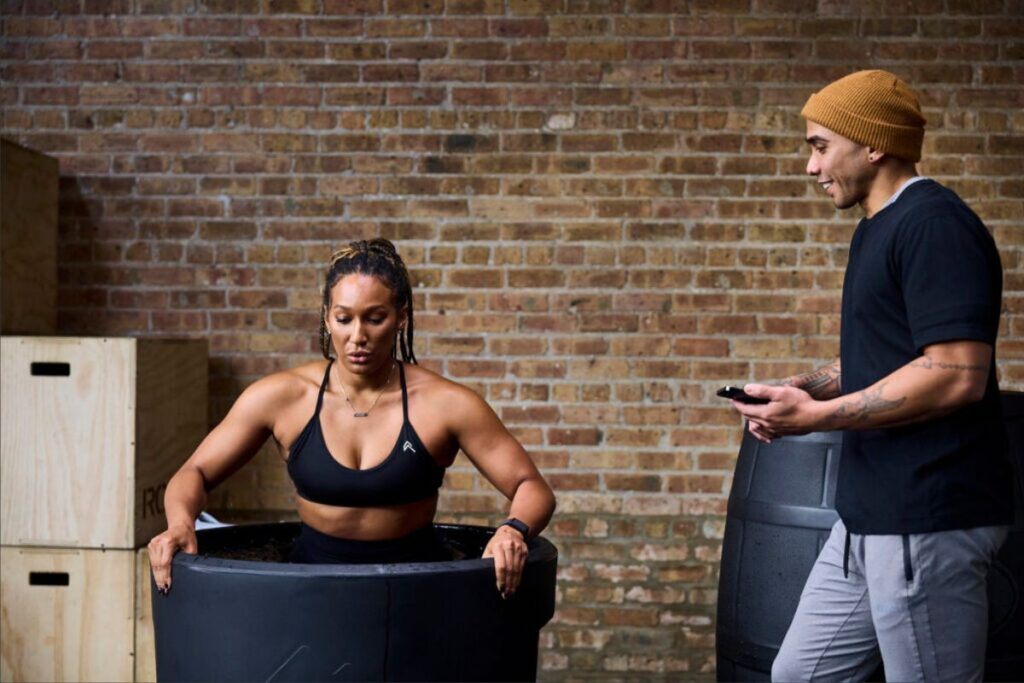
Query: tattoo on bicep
<point x="870" y="402"/>
<point x="928" y="363"/>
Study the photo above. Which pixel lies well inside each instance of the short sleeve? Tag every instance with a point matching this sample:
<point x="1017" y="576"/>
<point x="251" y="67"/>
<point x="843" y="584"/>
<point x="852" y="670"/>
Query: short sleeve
<point x="951" y="280"/>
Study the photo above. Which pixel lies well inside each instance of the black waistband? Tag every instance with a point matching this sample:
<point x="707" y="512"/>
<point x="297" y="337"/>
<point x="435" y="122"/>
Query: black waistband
<point x="315" y="547"/>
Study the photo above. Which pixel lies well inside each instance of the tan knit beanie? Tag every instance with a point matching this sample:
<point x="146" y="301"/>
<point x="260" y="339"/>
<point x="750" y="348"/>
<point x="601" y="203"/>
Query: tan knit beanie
<point x="873" y="108"/>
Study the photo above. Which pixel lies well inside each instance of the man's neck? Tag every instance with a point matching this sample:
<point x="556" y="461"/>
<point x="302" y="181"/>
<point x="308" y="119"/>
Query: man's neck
<point x="886" y="184"/>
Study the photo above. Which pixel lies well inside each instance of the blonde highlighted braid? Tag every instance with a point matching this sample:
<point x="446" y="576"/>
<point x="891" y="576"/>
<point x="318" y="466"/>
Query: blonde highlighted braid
<point x="379" y="258"/>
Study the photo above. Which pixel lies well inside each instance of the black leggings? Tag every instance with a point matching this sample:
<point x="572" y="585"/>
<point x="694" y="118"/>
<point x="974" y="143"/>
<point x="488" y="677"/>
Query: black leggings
<point x="315" y="547"/>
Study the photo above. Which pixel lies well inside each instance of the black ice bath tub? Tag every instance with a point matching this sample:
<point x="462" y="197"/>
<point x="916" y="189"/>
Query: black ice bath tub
<point x="230" y="617"/>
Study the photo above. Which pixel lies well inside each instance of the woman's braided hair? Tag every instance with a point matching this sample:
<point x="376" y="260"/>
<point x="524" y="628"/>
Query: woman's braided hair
<point x="379" y="258"/>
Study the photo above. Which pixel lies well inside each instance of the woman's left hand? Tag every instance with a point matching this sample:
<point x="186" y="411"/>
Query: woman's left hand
<point x="508" y="548"/>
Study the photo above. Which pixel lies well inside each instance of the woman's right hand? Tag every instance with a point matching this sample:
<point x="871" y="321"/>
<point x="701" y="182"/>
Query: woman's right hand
<point x="163" y="548"/>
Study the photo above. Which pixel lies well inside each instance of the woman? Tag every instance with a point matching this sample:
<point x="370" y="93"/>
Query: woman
<point x="366" y="438"/>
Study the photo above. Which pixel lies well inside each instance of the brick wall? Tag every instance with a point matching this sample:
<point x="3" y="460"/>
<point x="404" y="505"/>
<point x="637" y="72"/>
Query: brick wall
<point x="602" y="203"/>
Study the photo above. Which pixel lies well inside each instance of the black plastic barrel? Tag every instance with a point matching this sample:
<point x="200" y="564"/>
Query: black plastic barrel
<point x="229" y="619"/>
<point x="779" y="516"/>
<point x="1004" y="658"/>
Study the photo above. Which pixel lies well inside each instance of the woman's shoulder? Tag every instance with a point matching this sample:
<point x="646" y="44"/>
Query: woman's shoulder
<point x="288" y="385"/>
<point x="422" y="378"/>
<point x="441" y="391"/>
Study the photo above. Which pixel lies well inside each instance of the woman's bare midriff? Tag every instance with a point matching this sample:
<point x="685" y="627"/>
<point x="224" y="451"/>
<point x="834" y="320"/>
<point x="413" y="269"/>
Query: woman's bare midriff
<point x="367" y="524"/>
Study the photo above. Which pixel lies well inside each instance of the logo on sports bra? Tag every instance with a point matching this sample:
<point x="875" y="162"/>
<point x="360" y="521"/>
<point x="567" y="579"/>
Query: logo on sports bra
<point x="408" y="447"/>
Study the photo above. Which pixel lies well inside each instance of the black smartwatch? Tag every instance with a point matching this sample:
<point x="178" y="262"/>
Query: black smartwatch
<point x="518" y="526"/>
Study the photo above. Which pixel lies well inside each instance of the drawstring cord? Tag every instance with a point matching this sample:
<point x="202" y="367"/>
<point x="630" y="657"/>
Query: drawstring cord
<point x="846" y="556"/>
<point x="908" y="569"/>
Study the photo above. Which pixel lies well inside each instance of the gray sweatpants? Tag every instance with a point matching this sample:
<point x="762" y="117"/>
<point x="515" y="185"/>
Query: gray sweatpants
<point x="917" y="601"/>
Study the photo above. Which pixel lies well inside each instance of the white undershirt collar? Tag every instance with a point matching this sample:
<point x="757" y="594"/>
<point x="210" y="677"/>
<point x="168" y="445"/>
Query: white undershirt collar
<point x="898" y="192"/>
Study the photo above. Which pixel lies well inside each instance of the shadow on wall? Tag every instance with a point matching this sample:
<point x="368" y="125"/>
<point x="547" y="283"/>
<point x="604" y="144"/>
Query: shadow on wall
<point x="97" y="280"/>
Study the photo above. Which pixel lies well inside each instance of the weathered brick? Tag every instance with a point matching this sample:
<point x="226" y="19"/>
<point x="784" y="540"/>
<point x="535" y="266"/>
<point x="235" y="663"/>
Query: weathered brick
<point x="603" y="206"/>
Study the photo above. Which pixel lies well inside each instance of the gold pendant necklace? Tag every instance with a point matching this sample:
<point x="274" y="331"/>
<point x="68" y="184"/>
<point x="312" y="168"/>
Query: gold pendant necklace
<point x="366" y="413"/>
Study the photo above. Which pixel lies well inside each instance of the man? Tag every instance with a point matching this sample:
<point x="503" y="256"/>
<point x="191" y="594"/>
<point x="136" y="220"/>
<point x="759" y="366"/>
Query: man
<point x="924" y="492"/>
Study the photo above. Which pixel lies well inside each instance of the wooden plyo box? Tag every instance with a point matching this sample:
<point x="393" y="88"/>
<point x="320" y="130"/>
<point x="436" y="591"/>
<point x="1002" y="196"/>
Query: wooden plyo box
<point x="93" y="428"/>
<point x="28" y="240"/>
<point x="69" y="614"/>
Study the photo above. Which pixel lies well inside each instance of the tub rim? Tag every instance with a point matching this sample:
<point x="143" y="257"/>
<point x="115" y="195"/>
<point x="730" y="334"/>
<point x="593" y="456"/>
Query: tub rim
<point x="540" y="549"/>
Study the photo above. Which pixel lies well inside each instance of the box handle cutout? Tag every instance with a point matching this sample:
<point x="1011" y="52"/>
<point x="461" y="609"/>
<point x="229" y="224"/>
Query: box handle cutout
<point x="48" y="578"/>
<point x="51" y="369"/>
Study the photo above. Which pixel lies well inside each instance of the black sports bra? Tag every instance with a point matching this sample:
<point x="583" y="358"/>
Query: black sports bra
<point x="407" y="475"/>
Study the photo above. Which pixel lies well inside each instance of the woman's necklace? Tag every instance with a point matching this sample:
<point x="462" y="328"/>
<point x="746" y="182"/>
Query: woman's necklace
<point x="366" y="413"/>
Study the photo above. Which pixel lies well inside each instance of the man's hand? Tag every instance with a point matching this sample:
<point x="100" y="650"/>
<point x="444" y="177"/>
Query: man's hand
<point x="790" y="411"/>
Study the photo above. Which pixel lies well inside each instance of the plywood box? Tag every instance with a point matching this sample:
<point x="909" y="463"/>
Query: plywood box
<point x="70" y="614"/>
<point x="28" y="241"/>
<point x="145" y="639"/>
<point x="93" y="428"/>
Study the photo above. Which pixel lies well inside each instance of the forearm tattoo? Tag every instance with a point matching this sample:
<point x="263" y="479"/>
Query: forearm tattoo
<point x="821" y="383"/>
<point x="928" y="363"/>
<point x="868" y="402"/>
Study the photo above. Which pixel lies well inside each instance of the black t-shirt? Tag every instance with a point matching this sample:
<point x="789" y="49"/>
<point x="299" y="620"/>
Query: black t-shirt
<point x="923" y="270"/>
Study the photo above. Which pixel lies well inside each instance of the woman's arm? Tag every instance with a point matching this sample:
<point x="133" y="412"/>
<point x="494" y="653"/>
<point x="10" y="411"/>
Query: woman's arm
<point x="944" y="378"/>
<point x="504" y="462"/>
<point x="227" y="448"/>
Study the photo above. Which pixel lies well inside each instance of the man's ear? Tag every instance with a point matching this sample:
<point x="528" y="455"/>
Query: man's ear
<point x="875" y="155"/>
